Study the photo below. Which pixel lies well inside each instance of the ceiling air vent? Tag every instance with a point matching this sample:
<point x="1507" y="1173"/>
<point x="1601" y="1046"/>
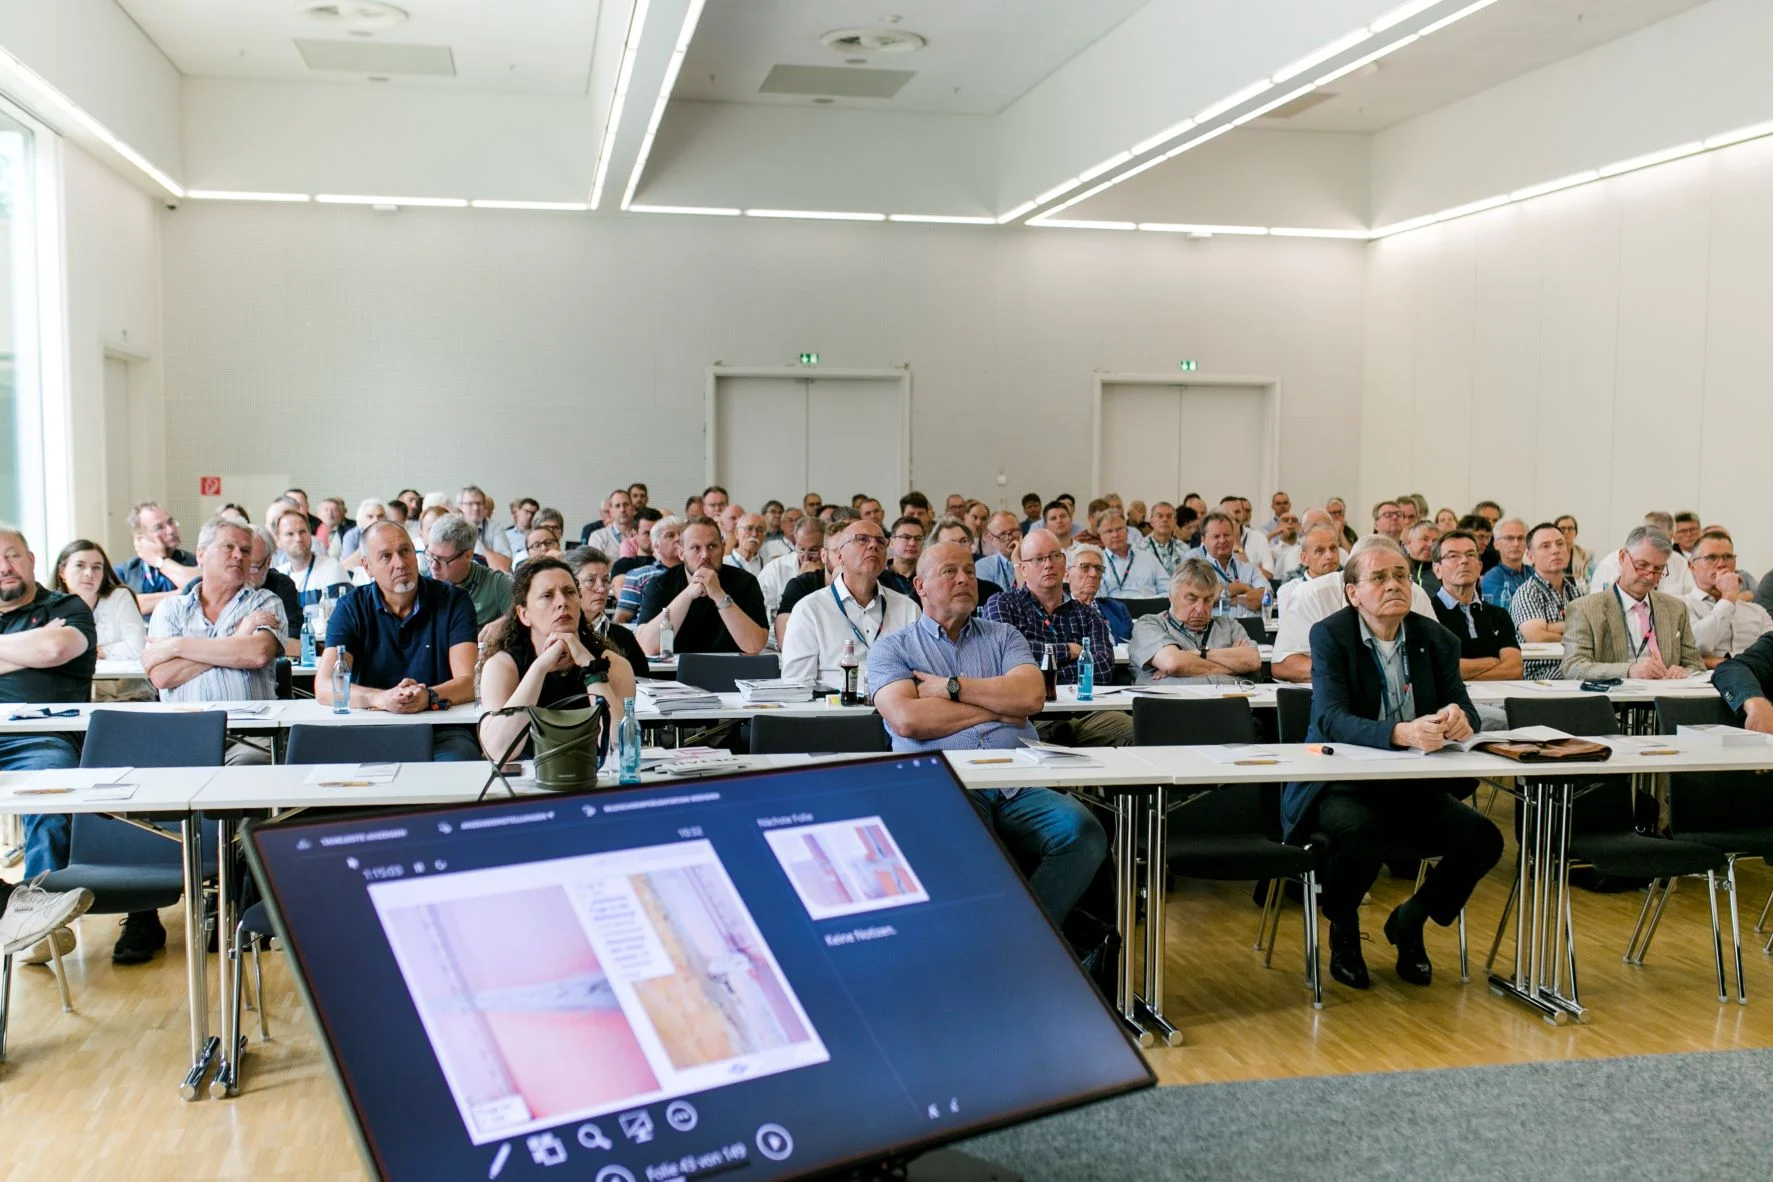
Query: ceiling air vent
<point x="852" y="41"/>
<point x="376" y="57"/>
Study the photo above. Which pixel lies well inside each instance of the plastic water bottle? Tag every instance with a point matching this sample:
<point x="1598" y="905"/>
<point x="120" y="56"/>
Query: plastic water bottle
<point x="628" y="743"/>
<point x="667" y="638"/>
<point x="1086" y="673"/>
<point x="1267" y="606"/>
<point x="307" y="643"/>
<point x="1224" y="608"/>
<point x="341" y="684"/>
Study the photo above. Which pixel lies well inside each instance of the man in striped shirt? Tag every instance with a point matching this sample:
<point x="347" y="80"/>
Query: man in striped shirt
<point x="219" y="640"/>
<point x="1538" y="604"/>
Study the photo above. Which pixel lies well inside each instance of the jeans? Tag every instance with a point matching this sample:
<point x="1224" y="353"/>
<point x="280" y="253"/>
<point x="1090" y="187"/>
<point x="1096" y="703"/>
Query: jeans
<point x="46" y="834"/>
<point x="454" y="744"/>
<point x="1053" y="829"/>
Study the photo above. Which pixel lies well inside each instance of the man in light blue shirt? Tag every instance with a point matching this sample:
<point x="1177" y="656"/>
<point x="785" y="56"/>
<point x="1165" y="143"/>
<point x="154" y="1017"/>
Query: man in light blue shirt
<point x="1003" y="538"/>
<point x="949" y="682"/>
<point x="1129" y="571"/>
<point x="1239" y="579"/>
<point x="219" y="640"/>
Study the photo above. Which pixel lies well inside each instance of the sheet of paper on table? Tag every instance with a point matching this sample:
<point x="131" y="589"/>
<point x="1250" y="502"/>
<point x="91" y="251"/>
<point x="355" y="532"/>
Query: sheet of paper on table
<point x="1052" y="755"/>
<point x="340" y="775"/>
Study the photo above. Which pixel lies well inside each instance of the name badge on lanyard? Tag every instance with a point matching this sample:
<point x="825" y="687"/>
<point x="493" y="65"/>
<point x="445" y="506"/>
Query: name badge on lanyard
<point x="860" y="639"/>
<point x="1640" y="648"/>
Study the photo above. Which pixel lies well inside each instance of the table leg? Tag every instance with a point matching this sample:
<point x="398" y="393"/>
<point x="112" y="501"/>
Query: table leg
<point x="203" y="1046"/>
<point x="227" y="1072"/>
<point x="1525" y="985"/>
<point x="1126" y="917"/>
<point x="1149" y="1008"/>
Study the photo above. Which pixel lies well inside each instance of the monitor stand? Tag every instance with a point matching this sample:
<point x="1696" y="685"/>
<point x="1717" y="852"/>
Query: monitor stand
<point x="938" y="1165"/>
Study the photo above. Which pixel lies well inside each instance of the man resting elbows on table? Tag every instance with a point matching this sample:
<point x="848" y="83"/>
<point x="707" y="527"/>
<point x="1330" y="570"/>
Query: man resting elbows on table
<point x="952" y="682"/>
<point x="1382" y="676"/>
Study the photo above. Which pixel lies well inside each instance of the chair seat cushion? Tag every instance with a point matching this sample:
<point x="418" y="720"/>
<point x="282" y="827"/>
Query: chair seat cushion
<point x="1637" y="856"/>
<point x="1235" y="858"/>
<point x="118" y="889"/>
<point x="1755" y="843"/>
<point x="256" y="921"/>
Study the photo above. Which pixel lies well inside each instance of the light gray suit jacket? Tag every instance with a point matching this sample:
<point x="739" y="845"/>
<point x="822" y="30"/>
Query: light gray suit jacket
<point x="1597" y="640"/>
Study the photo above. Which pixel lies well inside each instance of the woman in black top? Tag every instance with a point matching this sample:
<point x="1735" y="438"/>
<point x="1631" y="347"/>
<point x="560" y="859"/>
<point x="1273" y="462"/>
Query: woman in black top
<point x="547" y="654"/>
<point x="591" y="567"/>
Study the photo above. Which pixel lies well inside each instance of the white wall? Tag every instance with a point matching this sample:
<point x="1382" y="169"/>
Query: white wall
<point x="1600" y="352"/>
<point x="558" y="356"/>
<point x="113" y="269"/>
<point x="1694" y="75"/>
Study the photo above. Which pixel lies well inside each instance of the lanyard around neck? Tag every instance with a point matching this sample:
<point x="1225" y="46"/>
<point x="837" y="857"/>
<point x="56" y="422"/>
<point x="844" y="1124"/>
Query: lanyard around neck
<point x="1393" y="711"/>
<point x="838" y="600"/>
<point x="1178" y="625"/>
<point x="1637" y="650"/>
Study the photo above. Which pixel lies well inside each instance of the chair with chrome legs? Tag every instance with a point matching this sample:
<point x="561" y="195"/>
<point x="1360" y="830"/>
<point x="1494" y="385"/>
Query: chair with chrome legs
<point x="1604" y="835"/>
<point x="1231" y="833"/>
<point x="1730" y="811"/>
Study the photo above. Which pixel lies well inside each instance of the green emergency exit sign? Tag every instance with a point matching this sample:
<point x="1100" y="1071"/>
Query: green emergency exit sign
<point x="1189" y="366"/>
<point x="809" y="359"/>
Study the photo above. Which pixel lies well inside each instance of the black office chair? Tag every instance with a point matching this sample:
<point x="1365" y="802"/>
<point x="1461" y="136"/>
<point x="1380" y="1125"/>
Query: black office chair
<point x="1255" y="626"/>
<point x="1292" y="709"/>
<point x="716" y="672"/>
<point x="1231" y="833"/>
<point x="1604" y="834"/>
<point x="1731" y="811"/>
<point x="862" y="734"/>
<point x="1139" y="608"/>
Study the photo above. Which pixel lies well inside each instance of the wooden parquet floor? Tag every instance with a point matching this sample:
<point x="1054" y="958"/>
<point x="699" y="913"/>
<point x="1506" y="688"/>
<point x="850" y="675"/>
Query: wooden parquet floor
<point x="93" y="1094"/>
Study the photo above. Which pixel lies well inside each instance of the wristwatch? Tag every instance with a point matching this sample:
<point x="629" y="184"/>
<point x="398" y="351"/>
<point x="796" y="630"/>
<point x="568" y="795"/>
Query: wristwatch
<point x="597" y="672"/>
<point x="954" y="689"/>
<point x="436" y="701"/>
<point x="724" y="602"/>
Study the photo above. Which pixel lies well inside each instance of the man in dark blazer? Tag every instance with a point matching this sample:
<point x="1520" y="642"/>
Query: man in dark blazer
<point x="1381" y="677"/>
<point x="1746" y="683"/>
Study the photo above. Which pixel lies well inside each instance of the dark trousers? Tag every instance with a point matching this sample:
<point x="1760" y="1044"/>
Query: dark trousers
<point x="1369" y="823"/>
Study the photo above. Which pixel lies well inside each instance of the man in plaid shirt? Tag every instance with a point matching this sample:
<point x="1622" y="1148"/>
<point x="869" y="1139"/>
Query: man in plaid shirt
<point x="1044" y="613"/>
<point x="1538" y="604"/>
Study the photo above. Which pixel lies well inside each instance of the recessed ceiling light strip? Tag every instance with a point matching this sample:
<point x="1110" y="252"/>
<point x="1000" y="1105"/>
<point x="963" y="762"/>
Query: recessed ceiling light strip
<point x="685" y="35"/>
<point x="618" y="100"/>
<point x="941" y="219"/>
<point x="712" y="211"/>
<point x="66" y="108"/>
<point x="827" y="215"/>
<point x="233" y="195"/>
<point x="558" y="206"/>
<point x="355" y="199"/>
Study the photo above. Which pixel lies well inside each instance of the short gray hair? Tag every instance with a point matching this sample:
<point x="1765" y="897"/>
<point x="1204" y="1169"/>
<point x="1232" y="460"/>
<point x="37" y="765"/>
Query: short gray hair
<point x="452" y="529"/>
<point x="1355" y="568"/>
<point x="1082" y="548"/>
<point x="369" y="503"/>
<point x="264" y="535"/>
<point x="1658" y="539"/>
<point x="664" y="525"/>
<point x="434" y="499"/>
<point x="218" y="523"/>
<point x="1195" y="572"/>
<point x="1110" y="514"/>
<point x="1659" y="519"/>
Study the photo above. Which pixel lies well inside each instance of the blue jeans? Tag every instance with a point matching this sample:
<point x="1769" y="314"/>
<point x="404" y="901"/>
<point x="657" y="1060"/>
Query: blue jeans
<point x="46" y="834"/>
<point x="1055" y="830"/>
<point x="454" y="744"/>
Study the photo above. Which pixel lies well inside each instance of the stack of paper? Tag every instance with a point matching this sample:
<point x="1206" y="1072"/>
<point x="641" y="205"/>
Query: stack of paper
<point x="774" y="690"/>
<point x="351" y="775"/>
<point x="1049" y="755"/>
<point x="674" y="697"/>
<point x="1719" y="735"/>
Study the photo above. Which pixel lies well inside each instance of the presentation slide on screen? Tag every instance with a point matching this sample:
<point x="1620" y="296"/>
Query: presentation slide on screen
<point x="846" y="867"/>
<point x="575" y="987"/>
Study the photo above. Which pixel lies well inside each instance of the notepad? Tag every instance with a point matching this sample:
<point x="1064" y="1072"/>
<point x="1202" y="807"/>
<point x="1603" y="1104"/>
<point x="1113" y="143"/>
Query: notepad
<point x="1052" y="755"/>
<point x="333" y="775"/>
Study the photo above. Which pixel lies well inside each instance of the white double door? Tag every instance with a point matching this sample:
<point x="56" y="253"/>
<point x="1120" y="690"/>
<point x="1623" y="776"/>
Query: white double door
<point x="782" y="437"/>
<point x="1161" y="442"/>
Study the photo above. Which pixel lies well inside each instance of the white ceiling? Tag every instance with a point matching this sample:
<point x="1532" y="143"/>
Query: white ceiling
<point x="1488" y="48"/>
<point x="982" y="55"/>
<point x="510" y="46"/>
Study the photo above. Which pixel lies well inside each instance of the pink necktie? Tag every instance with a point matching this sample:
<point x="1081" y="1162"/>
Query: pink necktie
<point x="1641" y="609"/>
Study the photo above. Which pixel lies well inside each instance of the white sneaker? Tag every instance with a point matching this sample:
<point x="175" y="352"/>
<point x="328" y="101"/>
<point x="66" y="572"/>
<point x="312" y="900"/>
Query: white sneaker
<point x="63" y="938"/>
<point x="32" y="913"/>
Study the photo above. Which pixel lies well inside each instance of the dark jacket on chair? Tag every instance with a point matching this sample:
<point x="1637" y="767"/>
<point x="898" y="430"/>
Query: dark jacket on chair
<point x="1346" y="698"/>
<point x="1748" y="674"/>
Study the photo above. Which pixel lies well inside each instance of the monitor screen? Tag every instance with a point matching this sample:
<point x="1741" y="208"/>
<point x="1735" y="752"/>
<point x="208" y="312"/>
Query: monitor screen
<point x="766" y="975"/>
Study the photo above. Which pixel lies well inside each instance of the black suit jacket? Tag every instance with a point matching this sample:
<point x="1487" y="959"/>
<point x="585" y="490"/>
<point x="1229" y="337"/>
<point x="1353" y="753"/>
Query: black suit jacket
<point x="1748" y="674"/>
<point x="1346" y="695"/>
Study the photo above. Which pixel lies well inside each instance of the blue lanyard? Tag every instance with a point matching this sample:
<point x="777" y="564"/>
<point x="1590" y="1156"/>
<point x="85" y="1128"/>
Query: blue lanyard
<point x="308" y="574"/>
<point x="1393" y="712"/>
<point x="1168" y="557"/>
<point x="860" y="639"/>
<point x="1229" y="578"/>
<point x="1638" y="650"/>
<point x="1120" y="580"/>
<point x="1179" y="626"/>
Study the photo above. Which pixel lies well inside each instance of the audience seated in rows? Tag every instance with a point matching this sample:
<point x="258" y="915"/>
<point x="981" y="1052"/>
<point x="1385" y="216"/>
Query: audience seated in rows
<point x="160" y="567"/>
<point x="711" y="608"/>
<point x="449" y="558"/>
<point x="1630" y="629"/>
<point x="1541" y="603"/>
<point x="1190" y="643"/>
<point x="854" y="608"/>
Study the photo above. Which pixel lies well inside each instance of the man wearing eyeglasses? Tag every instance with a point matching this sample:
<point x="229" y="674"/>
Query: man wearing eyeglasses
<point x="1384" y="677"/>
<point x="854" y="608"/>
<point x="449" y="558"/>
<point x="1388" y="519"/>
<point x="489" y="539"/>
<point x="1002" y="540"/>
<point x="806" y="554"/>
<point x="159" y="568"/>
<point x="1630" y="629"/>
<point x="904" y="547"/>
<point x="1488" y="650"/>
<point x="1726" y="618"/>
<point x="1677" y="579"/>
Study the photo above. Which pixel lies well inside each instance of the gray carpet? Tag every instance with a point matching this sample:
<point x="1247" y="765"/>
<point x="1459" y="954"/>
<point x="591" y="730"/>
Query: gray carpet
<point x="1650" y="1117"/>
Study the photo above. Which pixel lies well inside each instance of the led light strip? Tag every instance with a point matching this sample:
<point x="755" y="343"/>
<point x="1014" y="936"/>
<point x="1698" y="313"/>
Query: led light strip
<point x="684" y="35"/>
<point x="630" y="50"/>
<point x="68" y="109"/>
<point x="354" y="199"/>
<point x="231" y="195"/>
<point x="1236" y="99"/>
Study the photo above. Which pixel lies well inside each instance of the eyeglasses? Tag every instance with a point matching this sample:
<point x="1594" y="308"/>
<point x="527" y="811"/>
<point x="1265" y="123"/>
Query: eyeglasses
<point x="438" y="561"/>
<point x="1088" y="568"/>
<point x="1645" y="567"/>
<point x="1715" y="558"/>
<point x="809" y="555"/>
<point x="907" y="537"/>
<point x="1004" y="535"/>
<point x="1045" y="559"/>
<point x="1400" y="577"/>
<point x="1459" y="556"/>
<point x="873" y="541"/>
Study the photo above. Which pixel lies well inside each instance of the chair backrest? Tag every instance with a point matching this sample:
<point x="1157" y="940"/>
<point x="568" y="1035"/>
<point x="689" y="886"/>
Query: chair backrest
<point x="1137" y="608"/>
<point x="1256" y="627"/>
<point x="1712" y="802"/>
<point x="1609" y="805"/>
<point x="716" y="672"/>
<point x="861" y="734"/>
<point x="395" y="742"/>
<point x="1292" y="709"/>
<point x="1191" y="722"/>
<point x="138" y="738"/>
<point x="285" y="679"/>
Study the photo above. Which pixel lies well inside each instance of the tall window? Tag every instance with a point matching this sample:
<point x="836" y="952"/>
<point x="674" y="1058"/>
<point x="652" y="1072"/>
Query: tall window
<point x="19" y="412"/>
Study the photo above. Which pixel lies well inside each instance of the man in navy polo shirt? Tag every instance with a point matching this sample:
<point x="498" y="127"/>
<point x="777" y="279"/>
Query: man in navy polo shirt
<point x="410" y="641"/>
<point x="47" y="646"/>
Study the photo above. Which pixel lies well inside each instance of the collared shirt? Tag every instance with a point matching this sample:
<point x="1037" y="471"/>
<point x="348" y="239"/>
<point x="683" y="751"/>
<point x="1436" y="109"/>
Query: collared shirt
<point x="1287" y="557"/>
<point x="182" y="615"/>
<point x="1134" y="576"/>
<point x="985" y="649"/>
<point x="1319" y="599"/>
<point x="1071" y="623"/>
<point x="143" y="579"/>
<point x="823" y="623"/>
<point x="995" y="568"/>
<point x="1538" y="601"/>
<point x="516" y="539"/>
<point x="490" y="592"/>
<point x="1234" y="570"/>
<point x="774" y="547"/>
<point x="1256" y="548"/>
<point x="1499" y="584"/>
<point x="1167" y="554"/>
<point x="1120" y="620"/>
<point x="1724" y="627"/>
<point x="71" y="681"/>
<point x="385" y="649"/>
<point x="1159" y="630"/>
<point x="609" y="539"/>
<point x="1676" y="580"/>
<point x="1634" y="623"/>
<point x="774" y="579"/>
<point x="314" y="578"/>
<point x="1398" y="702"/>
<point x="492" y="540"/>
<point x="1483" y="629"/>
<point x="751" y="566"/>
<point x="634" y="586"/>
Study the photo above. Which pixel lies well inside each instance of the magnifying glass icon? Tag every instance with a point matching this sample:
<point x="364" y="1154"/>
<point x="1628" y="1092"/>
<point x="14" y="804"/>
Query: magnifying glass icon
<point x="591" y="1137"/>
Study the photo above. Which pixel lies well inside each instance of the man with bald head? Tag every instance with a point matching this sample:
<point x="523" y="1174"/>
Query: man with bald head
<point x="952" y="681"/>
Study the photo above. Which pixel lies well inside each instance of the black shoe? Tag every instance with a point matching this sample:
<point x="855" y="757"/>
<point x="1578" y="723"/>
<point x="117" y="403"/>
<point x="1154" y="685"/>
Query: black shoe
<point x="1412" y="958"/>
<point x="1347" y="964"/>
<point x="143" y="936"/>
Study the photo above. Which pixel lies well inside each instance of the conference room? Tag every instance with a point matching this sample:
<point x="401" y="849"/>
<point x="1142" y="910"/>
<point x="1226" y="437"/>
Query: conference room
<point x="637" y="589"/>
